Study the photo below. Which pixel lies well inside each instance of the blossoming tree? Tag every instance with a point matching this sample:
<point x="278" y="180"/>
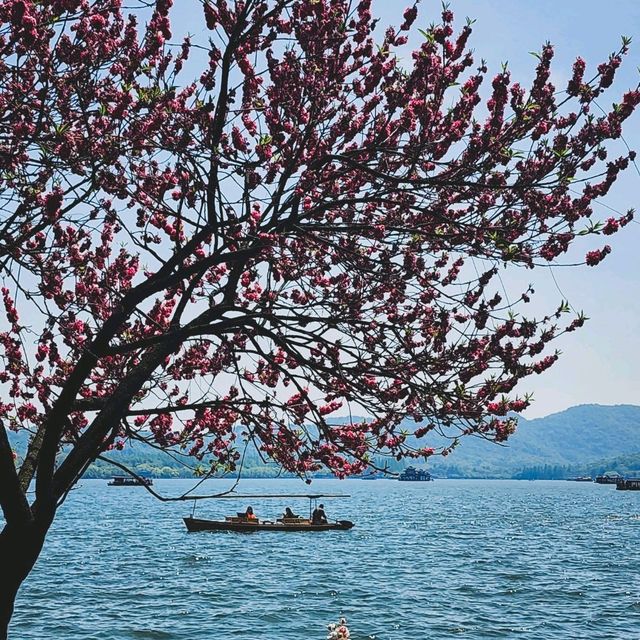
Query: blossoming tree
<point x="308" y="226"/>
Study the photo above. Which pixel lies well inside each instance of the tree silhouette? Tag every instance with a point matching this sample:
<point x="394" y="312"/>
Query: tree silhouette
<point x="307" y="226"/>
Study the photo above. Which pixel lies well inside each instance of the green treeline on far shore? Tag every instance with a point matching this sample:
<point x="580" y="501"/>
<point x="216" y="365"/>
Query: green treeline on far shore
<point x="158" y="465"/>
<point x="628" y="466"/>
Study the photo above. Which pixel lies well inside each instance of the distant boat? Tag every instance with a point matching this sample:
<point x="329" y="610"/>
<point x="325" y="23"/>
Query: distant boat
<point x="129" y="481"/>
<point x="581" y="479"/>
<point x="282" y="525"/>
<point x="628" y="484"/>
<point x="609" y="478"/>
<point x="411" y="474"/>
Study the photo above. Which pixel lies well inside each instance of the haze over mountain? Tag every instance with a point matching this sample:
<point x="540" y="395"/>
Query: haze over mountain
<point x="581" y="439"/>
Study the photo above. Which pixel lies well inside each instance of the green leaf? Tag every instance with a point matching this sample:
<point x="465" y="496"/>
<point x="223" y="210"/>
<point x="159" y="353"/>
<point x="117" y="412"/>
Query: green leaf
<point x="428" y="36"/>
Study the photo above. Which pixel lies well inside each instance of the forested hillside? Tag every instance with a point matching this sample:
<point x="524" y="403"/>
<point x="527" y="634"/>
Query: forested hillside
<point x="580" y="437"/>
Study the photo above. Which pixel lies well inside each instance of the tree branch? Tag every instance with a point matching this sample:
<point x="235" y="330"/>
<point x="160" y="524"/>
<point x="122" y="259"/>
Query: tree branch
<point x="30" y="462"/>
<point x="12" y="500"/>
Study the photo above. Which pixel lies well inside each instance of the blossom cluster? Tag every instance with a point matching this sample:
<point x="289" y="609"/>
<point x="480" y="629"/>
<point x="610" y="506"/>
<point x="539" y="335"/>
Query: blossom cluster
<point x="299" y="230"/>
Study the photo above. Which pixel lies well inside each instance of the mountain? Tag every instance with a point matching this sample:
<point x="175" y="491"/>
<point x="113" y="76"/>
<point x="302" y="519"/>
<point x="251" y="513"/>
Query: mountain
<point x="586" y="439"/>
<point x="577" y="436"/>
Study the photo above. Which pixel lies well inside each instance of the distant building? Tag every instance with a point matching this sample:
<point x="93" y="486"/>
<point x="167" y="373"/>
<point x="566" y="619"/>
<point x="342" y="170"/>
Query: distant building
<point x="411" y="474"/>
<point x="609" y="478"/>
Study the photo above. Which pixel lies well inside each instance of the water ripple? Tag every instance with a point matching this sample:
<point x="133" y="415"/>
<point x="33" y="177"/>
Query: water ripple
<point x="449" y="559"/>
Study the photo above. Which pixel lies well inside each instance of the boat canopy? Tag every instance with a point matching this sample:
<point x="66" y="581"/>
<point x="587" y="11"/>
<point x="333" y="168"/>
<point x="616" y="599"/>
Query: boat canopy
<point x="308" y="496"/>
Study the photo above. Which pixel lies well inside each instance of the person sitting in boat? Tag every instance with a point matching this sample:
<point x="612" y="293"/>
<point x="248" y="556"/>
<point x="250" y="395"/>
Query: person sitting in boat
<point x="319" y="516"/>
<point x="289" y="514"/>
<point x="249" y="515"/>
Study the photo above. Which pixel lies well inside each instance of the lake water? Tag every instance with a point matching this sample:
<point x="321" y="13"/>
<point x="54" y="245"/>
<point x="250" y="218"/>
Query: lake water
<point x="444" y="559"/>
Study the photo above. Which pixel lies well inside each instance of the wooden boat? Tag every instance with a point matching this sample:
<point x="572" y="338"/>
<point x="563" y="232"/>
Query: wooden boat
<point x="247" y="526"/>
<point x="242" y="524"/>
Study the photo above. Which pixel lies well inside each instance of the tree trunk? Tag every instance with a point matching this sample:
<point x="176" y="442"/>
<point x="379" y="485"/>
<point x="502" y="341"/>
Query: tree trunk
<point x="20" y="547"/>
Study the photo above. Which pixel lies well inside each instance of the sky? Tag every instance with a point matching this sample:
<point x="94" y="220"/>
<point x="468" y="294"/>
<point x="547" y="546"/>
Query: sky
<point x="601" y="362"/>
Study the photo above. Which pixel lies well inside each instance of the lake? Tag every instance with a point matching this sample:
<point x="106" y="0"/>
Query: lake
<point x="444" y="559"/>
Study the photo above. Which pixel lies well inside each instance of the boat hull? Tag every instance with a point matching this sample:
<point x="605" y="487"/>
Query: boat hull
<point x="196" y="524"/>
<point x="628" y="484"/>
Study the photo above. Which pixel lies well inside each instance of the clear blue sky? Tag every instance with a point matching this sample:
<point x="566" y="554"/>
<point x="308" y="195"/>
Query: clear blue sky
<point x="601" y="362"/>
